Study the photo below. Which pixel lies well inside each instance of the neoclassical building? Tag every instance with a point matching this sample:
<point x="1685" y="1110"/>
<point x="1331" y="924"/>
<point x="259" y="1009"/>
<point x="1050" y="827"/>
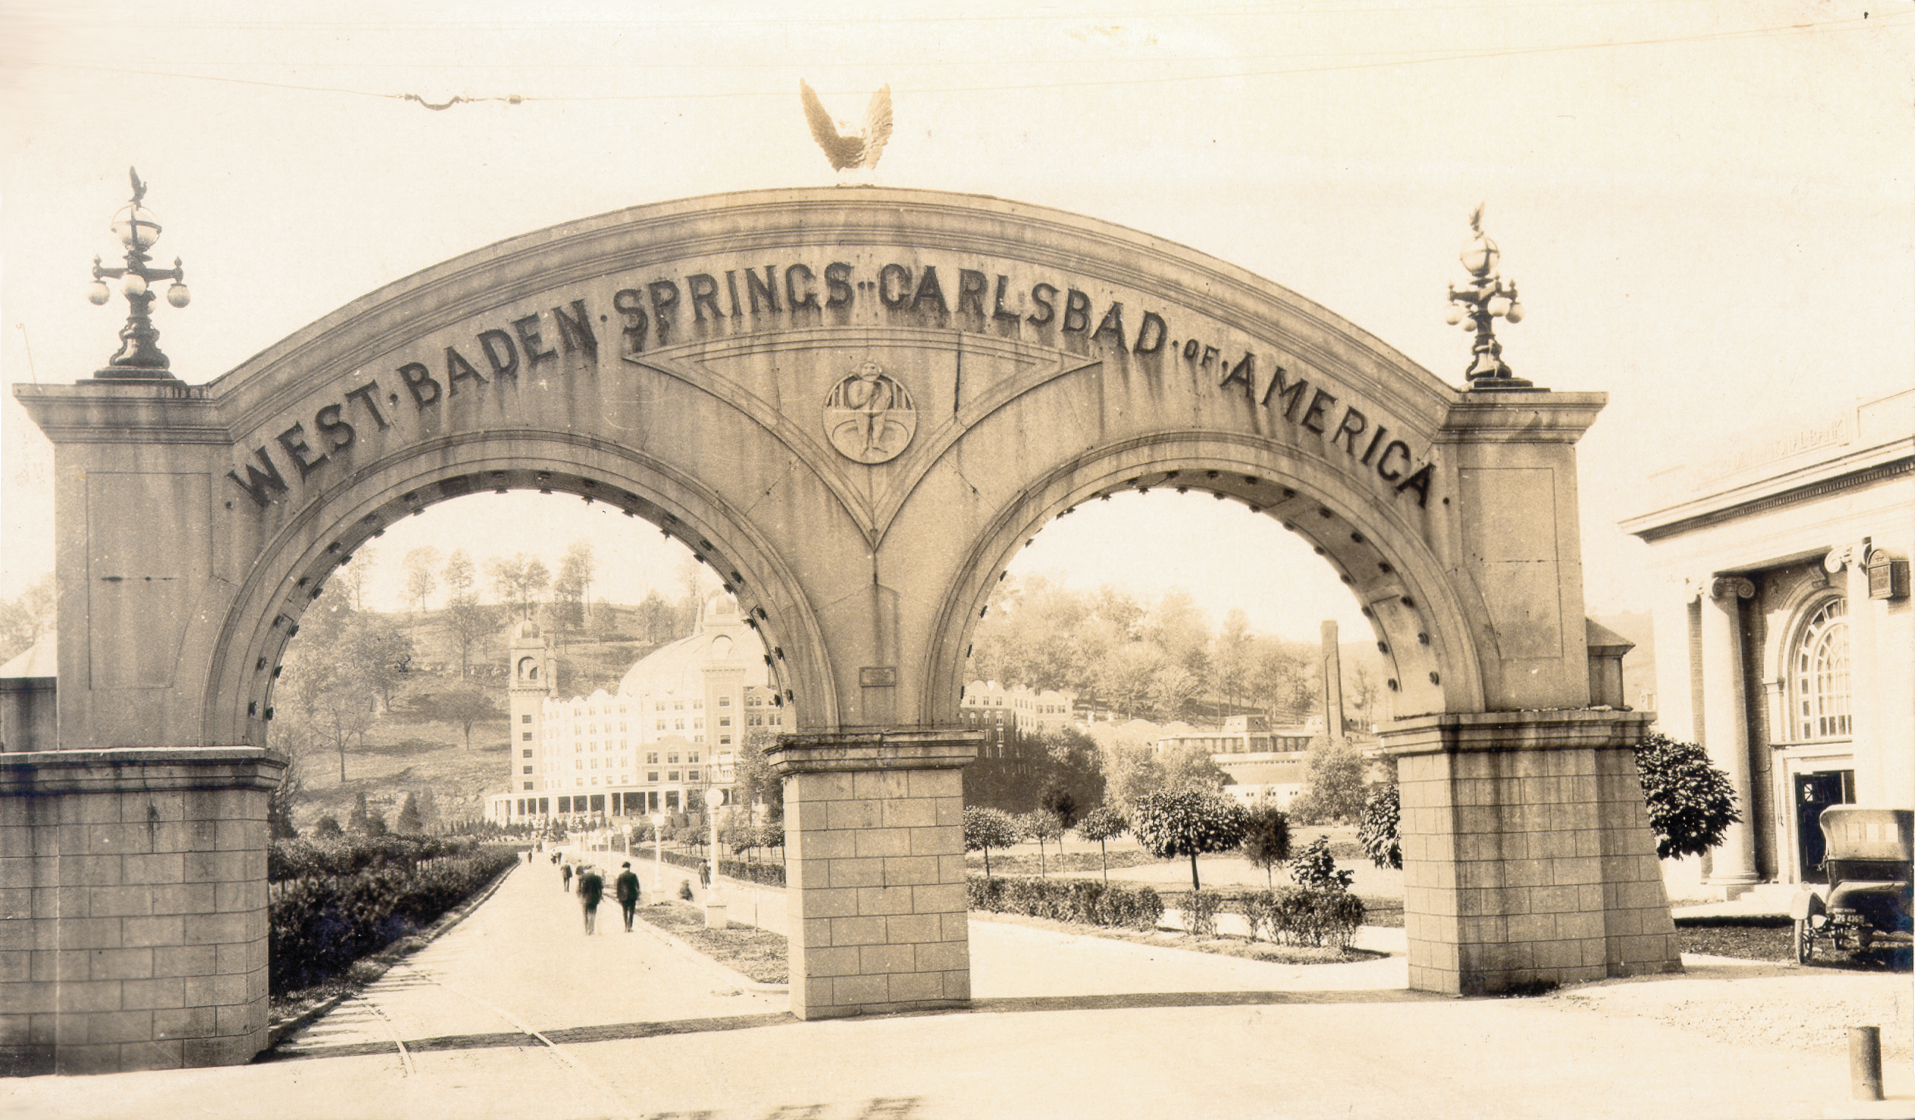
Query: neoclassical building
<point x="672" y="728"/>
<point x="1785" y="637"/>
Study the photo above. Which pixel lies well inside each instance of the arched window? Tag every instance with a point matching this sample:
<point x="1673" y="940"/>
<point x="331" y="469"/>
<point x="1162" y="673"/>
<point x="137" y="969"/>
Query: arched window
<point x="1820" y="673"/>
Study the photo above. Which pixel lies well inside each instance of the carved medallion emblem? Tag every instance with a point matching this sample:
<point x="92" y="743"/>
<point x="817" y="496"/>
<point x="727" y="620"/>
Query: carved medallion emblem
<point x="868" y="416"/>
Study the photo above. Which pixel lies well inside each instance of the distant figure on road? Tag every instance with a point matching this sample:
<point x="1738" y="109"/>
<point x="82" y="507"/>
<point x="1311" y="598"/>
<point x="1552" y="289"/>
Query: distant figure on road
<point x="565" y="877"/>
<point x="591" y="888"/>
<point x="627" y="891"/>
<point x="704" y="875"/>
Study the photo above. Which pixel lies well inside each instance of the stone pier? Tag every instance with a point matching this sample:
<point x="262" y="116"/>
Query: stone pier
<point x="874" y="837"/>
<point x="133" y="930"/>
<point x="1527" y="854"/>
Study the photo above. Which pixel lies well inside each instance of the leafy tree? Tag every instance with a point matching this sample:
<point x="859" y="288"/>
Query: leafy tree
<point x="1042" y="826"/>
<point x="985" y="829"/>
<point x="360" y="814"/>
<point x="655" y="619"/>
<point x="1283" y="677"/>
<point x="1187" y="822"/>
<point x="327" y="825"/>
<point x="1691" y="803"/>
<point x="380" y="654"/>
<point x="1188" y="765"/>
<point x="28" y="616"/>
<point x="1334" y="785"/>
<point x="753" y="781"/>
<point x="518" y="579"/>
<point x="1230" y="657"/>
<point x="1266" y="838"/>
<point x="376" y="824"/>
<point x="465" y="704"/>
<point x="1315" y="869"/>
<point x="1102" y="824"/>
<point x="420" y="577"/>
<point x="355" y="575"/>
<point x="1377" y="830"/>
<point x="409" y="821"/>
<point x="1057" y="801"/>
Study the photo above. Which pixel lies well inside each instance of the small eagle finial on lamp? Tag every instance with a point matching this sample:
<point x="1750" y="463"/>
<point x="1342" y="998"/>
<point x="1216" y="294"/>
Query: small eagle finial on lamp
<point x="856" y="151"/>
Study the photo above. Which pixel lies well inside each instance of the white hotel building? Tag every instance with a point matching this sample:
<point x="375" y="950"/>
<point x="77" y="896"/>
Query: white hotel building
<point x="672" y="729"/>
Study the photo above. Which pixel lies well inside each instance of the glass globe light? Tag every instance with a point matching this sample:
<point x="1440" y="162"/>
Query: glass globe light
<point x="1498" y="305"/>
<point x="1479" y="256"/>
<point x="1515" y="312"/>
<point x="97" y="294"/>
<point x="178" y="296"/>
<point x="134" y="285"/>
<point x="1455" y="314"/>
<point x="136" y="227"/>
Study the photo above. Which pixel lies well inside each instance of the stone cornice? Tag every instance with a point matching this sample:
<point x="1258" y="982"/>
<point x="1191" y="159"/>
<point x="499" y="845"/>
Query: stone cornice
<point x="1549" y="729"/>
<point x="859" y="751"/>
<point x="1751" y="500"/>
<point x="34" y="773"/>
<point x="1521" y="416"/>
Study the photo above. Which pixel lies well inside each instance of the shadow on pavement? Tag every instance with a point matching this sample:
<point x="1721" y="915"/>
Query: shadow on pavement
<point x="611" y="1032"/>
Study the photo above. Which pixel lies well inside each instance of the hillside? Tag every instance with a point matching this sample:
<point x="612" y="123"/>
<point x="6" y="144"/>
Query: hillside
<point x="411" y="748"/>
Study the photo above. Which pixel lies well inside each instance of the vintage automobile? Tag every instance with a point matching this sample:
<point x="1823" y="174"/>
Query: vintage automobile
<point x="1865" y="903"/>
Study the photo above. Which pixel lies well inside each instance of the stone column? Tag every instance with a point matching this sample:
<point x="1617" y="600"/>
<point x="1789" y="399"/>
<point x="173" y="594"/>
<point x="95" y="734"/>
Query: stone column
<point x="1867" y="706"/>
<point x="133" y="931"/>
<point x="1527" y="855"/>
<point x="1725" y="726"/>
<point x="874" y="838"/>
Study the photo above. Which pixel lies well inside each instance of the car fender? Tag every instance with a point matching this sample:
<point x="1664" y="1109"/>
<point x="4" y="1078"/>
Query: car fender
<point x="1806" y="905"/>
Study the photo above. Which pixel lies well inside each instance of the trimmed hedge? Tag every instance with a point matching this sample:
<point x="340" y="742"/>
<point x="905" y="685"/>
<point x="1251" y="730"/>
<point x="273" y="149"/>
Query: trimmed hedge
<point x="332" y="903"/>
<point x="1295" y="916"/>
<point x="766" y="874"/>
<point x="1067" y="900"/>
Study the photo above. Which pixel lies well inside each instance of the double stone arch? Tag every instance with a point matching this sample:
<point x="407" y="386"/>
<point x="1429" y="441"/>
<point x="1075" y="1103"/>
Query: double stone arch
<point x="680" y="362"/>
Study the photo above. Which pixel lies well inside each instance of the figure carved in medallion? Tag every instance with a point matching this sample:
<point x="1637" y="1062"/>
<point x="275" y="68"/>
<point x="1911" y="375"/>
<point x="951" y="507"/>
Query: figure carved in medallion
<point x="869" y="416"/>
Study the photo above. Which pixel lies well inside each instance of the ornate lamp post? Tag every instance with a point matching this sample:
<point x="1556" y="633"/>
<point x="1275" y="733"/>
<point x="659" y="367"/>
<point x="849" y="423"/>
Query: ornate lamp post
<point x="658" y="854"/>
<point x="139" y="357"/>
<point x="714" y="900"/>
<point x="1478" y="304"/>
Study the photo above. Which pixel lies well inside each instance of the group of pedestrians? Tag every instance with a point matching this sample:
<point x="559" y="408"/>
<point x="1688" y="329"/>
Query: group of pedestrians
<point x="591" y="890"/>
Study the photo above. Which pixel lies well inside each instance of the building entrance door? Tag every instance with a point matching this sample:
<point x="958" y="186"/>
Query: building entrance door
<point x="1814" y="793"/>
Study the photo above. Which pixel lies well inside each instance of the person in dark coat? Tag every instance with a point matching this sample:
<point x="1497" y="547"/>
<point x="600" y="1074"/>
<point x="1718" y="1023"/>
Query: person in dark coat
<point x="565" y="877"/>
<point x="591" y="888"/>
<point x="626" y="887"/>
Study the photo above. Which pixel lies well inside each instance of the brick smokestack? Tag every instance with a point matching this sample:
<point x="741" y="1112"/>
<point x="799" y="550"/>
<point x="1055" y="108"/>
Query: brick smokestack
<point x="1332" y="684"/>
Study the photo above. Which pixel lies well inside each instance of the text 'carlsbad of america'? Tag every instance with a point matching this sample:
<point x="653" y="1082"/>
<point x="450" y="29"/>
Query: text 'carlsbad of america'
<point x="660" y="313"/>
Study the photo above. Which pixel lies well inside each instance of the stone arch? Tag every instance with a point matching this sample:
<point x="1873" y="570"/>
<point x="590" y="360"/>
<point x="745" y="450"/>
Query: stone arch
<point x="293" y="567"/>
<point x="854" y="403"/>
<point x="1420" y="619"/>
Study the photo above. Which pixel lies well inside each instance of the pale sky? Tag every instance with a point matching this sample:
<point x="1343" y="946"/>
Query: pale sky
<point x="1706" y="205"/>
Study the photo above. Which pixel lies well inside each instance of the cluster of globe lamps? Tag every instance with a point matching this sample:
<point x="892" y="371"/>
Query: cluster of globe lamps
<point x="139" y="356"/>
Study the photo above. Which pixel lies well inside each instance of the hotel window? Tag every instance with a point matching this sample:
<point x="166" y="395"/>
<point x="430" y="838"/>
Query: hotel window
<point x="672" y="758"/>
<point x="724" y="701"/>
<point x="651" y="775"/>
<point x="671" y="775"/>
<point x="525" y="736"/>
<point x="724" y="721"/>
<point x="526" y="753"/>
<point x="528" y="769"/>
<point x="1820" y="673"/>
<point x="691" y="757"/>
<point x="691" y="776"/>
<point x="526" y="718"/>
<point x="651" y="757"/>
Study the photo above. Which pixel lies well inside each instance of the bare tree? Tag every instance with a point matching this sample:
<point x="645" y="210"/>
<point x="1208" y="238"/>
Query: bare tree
<point x="420" y="577"/>
<point x="28" y="616"/>
<point x="459" y="574"/>
<point x="574" y="583"/>
<point x="519" y="579"/>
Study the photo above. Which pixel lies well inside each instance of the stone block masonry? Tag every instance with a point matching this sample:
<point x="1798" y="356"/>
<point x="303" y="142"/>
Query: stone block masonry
<point x="133" y="925"/>
<point x="875" y="871"/>
<point x="1527" y="854"/>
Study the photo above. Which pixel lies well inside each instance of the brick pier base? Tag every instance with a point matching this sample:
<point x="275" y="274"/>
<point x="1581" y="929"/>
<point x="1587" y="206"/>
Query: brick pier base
<point x="874" y="840"/>
<point x="133" y="927"/>
<point x="1527" y="854"/>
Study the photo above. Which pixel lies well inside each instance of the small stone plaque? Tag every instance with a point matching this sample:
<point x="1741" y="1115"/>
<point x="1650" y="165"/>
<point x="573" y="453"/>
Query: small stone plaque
<point x="878" y="676"/>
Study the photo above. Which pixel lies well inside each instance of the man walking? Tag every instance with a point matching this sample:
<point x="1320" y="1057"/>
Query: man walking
<point x="565" y="876"/>
<point x="591" y="888"/>
<point x="627" y="890"/>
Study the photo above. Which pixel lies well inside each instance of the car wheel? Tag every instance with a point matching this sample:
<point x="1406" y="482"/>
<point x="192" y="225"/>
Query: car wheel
<point x="1804" y="942"/>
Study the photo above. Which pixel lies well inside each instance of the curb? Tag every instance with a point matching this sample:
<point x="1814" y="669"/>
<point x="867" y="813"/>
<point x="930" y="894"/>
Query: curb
<point x="388" y="956"/>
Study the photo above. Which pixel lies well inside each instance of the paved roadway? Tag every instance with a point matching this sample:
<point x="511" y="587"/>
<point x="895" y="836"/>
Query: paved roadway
<point x="515" y="1013"/>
